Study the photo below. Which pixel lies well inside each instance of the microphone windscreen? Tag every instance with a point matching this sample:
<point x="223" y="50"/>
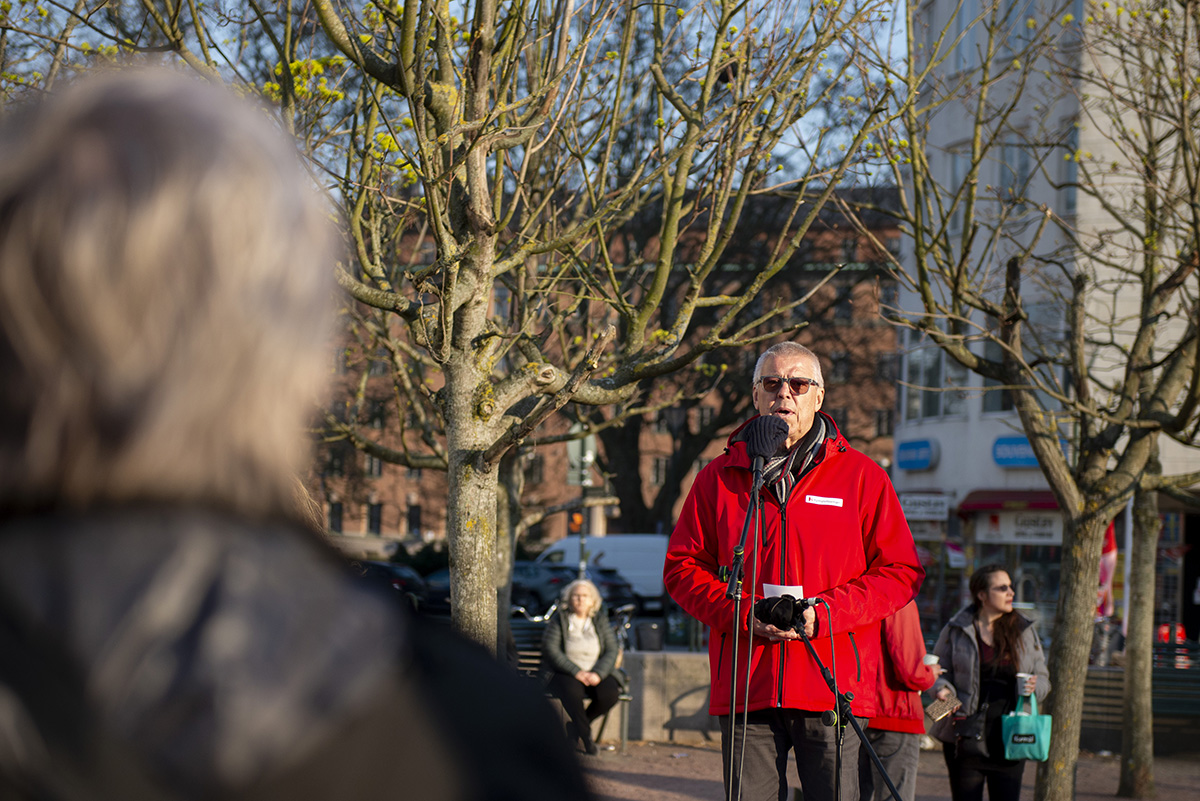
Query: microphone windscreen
<point x="764" y="435"/>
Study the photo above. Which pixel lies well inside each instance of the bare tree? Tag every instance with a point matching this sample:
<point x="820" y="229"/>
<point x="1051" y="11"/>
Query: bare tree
<point x="483" y="154"/>
<point x="1054" y="255"/>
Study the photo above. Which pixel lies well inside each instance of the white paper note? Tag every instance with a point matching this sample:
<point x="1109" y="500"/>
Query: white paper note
<point x="773" y="590"/>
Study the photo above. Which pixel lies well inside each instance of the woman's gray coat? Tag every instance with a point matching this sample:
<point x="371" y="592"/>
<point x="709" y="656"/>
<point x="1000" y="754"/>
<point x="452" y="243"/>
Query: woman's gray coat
<point x="958" y="653"/>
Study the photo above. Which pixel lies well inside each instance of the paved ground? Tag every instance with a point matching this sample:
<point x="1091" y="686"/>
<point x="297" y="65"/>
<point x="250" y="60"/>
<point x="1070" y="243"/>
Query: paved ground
<point x="665" y="772"/>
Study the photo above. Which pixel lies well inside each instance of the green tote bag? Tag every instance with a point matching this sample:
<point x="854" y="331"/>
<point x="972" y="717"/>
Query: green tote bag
<point x="1026" y="734"/>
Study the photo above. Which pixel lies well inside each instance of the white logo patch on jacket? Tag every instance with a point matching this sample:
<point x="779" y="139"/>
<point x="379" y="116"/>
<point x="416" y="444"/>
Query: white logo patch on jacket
<point x="821" y="500"/>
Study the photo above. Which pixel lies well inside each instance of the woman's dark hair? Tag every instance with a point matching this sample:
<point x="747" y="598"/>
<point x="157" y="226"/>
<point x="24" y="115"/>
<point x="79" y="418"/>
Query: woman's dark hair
<point x="1006" y="631"/>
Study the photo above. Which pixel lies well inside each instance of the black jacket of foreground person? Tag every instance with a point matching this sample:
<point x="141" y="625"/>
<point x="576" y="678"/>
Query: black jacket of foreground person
<point x="157" y="653"/>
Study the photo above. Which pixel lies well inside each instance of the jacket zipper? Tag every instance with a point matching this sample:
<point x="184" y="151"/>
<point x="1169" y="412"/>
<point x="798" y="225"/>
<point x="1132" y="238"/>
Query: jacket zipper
<point x="783" y="542"/>
<point x="782" y="568"/>
<point x="857" y="659"/>
<point x="721" y="658"/>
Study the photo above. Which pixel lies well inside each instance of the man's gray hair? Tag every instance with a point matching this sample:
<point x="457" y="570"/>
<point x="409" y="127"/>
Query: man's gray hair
<point x="790" y="350"/>
<point x="165" y="299"/>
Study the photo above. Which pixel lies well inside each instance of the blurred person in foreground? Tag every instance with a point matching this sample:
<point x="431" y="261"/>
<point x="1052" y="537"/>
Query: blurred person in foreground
<point x="982" y="649"/>
<point x="899" y="722"/>
<point x="170" y="627"/>
<point x="579" y="651"/>
<point x="831" y="523"/>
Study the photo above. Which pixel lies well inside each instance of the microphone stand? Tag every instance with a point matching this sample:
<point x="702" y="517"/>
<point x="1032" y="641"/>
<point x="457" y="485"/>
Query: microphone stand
<point x="733" y="590"/>
<point x="839" y="716"/>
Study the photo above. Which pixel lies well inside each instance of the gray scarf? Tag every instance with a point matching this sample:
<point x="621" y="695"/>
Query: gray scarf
<point x="783" y="469"/>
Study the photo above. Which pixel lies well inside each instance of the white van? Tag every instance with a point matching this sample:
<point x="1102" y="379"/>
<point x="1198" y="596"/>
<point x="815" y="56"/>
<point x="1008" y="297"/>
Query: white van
<point x="637" y="557"/>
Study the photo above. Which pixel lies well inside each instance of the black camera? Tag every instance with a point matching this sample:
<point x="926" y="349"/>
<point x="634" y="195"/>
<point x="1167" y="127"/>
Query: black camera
<point x="781" y="611"/>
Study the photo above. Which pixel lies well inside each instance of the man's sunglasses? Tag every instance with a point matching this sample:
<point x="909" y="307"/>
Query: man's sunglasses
<point x="799" y="386"/>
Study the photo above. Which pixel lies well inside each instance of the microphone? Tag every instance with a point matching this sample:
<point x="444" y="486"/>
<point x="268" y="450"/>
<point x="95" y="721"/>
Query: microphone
<point x="764" y="435"/>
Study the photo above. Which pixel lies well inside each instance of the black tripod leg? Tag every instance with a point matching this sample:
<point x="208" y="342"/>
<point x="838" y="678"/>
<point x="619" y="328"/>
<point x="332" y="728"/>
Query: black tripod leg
<point x="846" y="715"/>
<point x="865" y="743"/>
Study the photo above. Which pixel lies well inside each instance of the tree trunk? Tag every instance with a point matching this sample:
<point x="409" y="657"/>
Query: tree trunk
<point x="473" y="485"/>
<point x="470" y="522"/>
<point x="1069" y="651"/>
<point x="1137" y="729"/>
<point x="625" y="477"/>
<point x="508" y="517"/>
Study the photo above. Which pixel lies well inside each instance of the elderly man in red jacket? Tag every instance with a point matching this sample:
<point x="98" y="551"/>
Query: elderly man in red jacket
<point x="895" y="731"/>
<point x="832" y="523"/>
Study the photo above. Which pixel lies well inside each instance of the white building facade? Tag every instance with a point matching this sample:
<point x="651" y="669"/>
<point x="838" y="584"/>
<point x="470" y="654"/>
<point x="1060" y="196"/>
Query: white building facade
<point x="965" y="472"/>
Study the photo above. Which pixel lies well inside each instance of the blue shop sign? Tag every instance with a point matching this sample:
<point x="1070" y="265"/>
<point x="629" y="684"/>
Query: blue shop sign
<point x="1013" y="452"/>
<point x="917" y="454"/>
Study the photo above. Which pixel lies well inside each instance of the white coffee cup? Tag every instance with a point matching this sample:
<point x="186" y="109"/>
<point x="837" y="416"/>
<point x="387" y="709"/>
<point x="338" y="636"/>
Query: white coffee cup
<point x="931" y="659"/>
<point x="1022" y="678"/>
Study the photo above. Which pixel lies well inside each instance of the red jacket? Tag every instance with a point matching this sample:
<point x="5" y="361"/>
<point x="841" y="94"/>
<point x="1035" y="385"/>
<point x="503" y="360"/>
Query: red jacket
<point x="903" y="674"/>
<point x="846" y="541"/>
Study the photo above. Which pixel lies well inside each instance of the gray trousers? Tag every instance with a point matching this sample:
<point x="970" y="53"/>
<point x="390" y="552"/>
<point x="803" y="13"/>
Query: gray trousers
<point x="900" y="753"/>
<point x="769" y="735"/>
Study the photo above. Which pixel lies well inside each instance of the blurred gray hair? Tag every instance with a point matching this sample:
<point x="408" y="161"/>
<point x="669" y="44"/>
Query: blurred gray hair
<point x="792" y="350"/>
<point x="165" y="298"/>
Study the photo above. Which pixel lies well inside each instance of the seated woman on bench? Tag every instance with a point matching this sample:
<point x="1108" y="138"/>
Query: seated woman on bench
<point x="579" y="652"/>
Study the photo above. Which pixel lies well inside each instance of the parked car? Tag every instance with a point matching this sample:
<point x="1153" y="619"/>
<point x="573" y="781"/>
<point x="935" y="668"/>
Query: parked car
<point x="614" y="588"/>
<point x="401" y="578"/>
<point x="541" y="584"/>
<point x="639" y="558"/>
<point x="437" y="601"/>
<point x="547" y="580"/>
<point x="437" y="587"/>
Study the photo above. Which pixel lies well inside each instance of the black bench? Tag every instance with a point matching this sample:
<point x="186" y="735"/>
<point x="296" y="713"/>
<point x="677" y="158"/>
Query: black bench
<point x="1175" y="702"/>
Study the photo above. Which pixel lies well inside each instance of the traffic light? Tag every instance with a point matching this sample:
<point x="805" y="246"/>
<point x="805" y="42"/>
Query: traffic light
<point x="575" y="522"/>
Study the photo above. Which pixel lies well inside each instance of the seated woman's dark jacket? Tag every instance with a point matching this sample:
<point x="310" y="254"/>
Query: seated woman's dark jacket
<point x="554" y="646"/>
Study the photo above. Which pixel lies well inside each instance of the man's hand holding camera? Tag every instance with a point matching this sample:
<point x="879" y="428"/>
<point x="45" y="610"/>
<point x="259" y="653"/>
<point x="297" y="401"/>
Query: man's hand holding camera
<point x="782" y="618"/>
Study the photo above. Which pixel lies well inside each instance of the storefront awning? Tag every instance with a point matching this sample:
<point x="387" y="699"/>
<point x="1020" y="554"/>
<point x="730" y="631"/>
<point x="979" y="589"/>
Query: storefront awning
<point x="1014" y="500"/>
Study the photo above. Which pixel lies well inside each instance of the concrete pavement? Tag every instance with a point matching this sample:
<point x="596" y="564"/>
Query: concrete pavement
<point x="671" y="772"/>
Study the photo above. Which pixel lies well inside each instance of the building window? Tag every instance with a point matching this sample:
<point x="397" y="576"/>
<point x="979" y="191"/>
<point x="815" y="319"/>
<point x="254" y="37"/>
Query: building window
<point x="535" y="470"/>
<point x="660" y="470"/>
<point x="850" y="250"/>
<point x="335" y="516"/>
<point x="893" y="246"/>
<point x="413" y="474"/>
<point x="889" y="293"/>
<point x="414" y="519"/>
<point x="994" y="398"/>
<point x="839" y="367"/>
<point x="887" y="367"/>
<point x="884" y="422"/>
<point x="1017" y="34"/>
<point x="800" y="311"/>
<point x="959" y="166"/>
<point x="375" y="518"/>
<point x="934" y="383"/>
<point x="380" y="363"/>
<point x="335" y="467"/>
<point x="377" y="414"/>
<point x="704" y="416"/>
<point x="1014" y="174"/>
<point x="843" y="306"/>
<point x="966" y="24"/>
<point x="702" y="463"/>
<point x="1069" y="175"/>
<point x="669" y="421"/>
<point x="373" y="465"/>
<point x="839" y="415"/>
